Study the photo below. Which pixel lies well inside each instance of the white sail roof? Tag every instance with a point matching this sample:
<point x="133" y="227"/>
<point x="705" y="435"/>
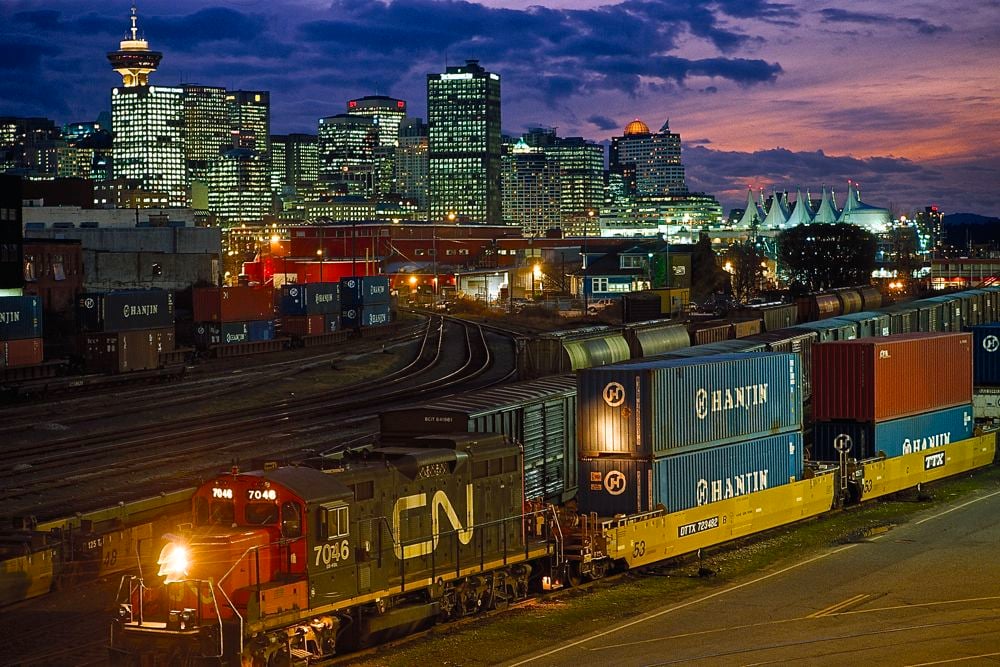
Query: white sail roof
<point x="856" y="212"/>
<point x="752" y="215"/>
<point x="802" y="213"/>
<point x="827" y="211"/>
<point x="776" y="214"/>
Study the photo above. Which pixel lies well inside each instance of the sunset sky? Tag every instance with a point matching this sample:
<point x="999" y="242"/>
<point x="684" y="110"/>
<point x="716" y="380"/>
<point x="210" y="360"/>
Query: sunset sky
<point x="902" y="96"/>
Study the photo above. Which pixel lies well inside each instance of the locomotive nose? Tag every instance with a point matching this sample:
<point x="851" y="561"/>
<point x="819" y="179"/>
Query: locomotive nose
<point x="174" y="561"/>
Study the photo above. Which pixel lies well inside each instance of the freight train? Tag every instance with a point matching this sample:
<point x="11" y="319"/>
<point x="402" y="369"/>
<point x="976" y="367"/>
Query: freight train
<point x="667" y="456"/>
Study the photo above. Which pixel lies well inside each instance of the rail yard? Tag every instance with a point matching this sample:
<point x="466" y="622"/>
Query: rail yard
<point x="306" y="533"/>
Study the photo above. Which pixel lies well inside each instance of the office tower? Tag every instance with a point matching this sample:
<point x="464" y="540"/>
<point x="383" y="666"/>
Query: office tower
<point x="388" y="113"/>
<point x="28" y="146"/>
<point x="653" y="157"/>
<point x="206" y="129"/>
<point x="347" y="154"/>
<point x="294" y="161"/>
<point x="250" y="119"/>
<point x="579" y="165"/>
<point x="147" y="123"/>
<point x="411" y="162"/>
<point x="239" y="191"/>
<point x="530" y="189"/>
<point x="463" y="117"/>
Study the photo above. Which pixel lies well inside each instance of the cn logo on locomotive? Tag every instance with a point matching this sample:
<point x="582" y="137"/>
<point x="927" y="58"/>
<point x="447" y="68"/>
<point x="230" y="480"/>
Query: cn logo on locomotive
<point x="439" y="502"/>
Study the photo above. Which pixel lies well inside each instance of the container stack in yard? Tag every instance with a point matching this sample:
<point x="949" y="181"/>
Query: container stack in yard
<point x="680" y="433"/>
<point x="310" y="309"/>
<point x="886" y="397"/>
<point x="231" y="315"/>
<point x="20" y="331"/>
<point x="125" y="330"/>
<point x="986" y="371"/>
<point x="365" y="302"/>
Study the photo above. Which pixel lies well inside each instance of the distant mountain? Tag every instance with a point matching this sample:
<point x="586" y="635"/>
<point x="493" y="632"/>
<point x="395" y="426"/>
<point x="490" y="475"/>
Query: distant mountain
<point x="969" y="219"/>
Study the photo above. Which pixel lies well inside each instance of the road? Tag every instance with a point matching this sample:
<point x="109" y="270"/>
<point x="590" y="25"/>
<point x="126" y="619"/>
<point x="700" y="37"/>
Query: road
<point x="923" y="593"/>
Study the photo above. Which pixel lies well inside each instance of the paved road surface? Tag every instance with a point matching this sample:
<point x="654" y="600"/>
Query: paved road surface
<point x="923" y="593"/>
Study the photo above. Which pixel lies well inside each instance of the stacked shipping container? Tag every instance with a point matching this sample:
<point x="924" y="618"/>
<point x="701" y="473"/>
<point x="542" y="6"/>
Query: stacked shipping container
<point x="310" y="308"/>
<point x="674" y="432"/>
<point x="20" y="331"/>
<point x="231" y="315"/>
<point x="365" y="301"/>
<point x="125" y="330"/>
<point x="887" y="396"/>
<point x="986" y="370"/>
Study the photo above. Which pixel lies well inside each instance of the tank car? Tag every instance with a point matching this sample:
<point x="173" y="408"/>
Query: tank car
<point x="295" y="564"/>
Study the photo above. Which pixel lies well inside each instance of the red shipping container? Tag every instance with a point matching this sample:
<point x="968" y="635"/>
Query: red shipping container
<point x="877" y="379"/>
<point x="232" y="304"/>
<point x="24" y="352"/>
<point x="303" y="325"/>
<point x="125" y="351"/>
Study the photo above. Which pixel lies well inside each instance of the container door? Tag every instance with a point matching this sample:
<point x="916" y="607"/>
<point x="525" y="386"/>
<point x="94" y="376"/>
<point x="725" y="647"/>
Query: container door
<point x="534" y="452"/>
<point x="555" y="435"/>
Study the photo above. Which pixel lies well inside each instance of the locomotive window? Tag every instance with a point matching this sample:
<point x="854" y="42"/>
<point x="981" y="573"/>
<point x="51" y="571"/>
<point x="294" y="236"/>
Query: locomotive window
<point x="261" y="514"/>
<point x="291" y="520"/>
<point x="223" y="514"/>
<point x="364" y="490"/>
<point x="333" y="522"/>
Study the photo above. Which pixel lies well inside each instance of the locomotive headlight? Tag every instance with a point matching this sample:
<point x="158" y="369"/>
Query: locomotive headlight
<point x="174" y="562"/>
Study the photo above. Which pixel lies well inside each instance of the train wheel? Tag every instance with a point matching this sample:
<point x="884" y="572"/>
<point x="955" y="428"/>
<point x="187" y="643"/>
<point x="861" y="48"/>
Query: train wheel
<point x="573" y="575"/>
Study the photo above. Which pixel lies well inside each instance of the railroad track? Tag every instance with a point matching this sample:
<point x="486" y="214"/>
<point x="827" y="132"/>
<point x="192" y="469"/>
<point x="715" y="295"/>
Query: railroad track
<point x="42" y="479"/>
<point x="196" y="386"/>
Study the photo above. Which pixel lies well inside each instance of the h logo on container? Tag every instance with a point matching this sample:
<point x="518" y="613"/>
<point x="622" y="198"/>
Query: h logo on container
<point x="614" y="394"/>
<point x="991" y="343"/>
<point x="614" y="482"/>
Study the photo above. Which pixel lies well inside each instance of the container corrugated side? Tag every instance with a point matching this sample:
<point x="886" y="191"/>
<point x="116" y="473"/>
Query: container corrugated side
<point x="232" y="304"/>
<point x="362" y="290"/>
<point x="20" y="317"/>
<point x="711" y="333"/>
<point x="986" y="355"/>
<point x="303" y="325"/>
<point x="21" y="352"/>
<point x="310" y="299"/>
<point x="611" y="486"/>
<point x="126" y="310"/>
<point x="260" y="330"/>
<point x="370" y="315"/>
<point x="654" y="408"/>
<point x="877" y="379"/>
<point x="234" y="332"/>
<point x="892" y="438"/>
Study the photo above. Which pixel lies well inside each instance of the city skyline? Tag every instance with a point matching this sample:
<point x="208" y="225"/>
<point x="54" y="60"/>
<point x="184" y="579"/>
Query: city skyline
<point x="763" y="94"/>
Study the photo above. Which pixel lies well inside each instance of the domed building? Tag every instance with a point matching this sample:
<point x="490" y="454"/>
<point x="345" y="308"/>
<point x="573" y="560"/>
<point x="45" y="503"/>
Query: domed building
<point x="782" y="214"/>
<point x="649" y="161"/>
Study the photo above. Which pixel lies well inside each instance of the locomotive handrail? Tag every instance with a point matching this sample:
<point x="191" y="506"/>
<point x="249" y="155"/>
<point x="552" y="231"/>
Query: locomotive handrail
<point x="229" y="601"/>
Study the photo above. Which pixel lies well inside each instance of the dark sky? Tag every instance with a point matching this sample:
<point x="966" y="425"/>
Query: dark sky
<point x="900" y="96"/>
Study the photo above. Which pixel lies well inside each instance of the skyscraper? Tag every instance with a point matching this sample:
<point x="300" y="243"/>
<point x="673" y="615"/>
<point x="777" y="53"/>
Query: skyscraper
<point x="653" y="157"/>
<point x="294" y="161"/>
<point x="463" y="115"/>
<point x="206" y="129"/>
<point x="411" y="163"/>
<point x="388" y="113"/>
<point x="147" y="122"/>
<point x="347" y="153"/>
<point x="250" y="119"/>
<point x="530" y="187"/>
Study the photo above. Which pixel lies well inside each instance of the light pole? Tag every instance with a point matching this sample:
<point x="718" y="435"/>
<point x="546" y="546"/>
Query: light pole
<point x="319" y="253"/>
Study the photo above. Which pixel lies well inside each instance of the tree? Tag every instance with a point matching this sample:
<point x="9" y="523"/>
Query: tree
<point x="819" y="257"/>
<point x="745" y="264"/>
<point x="707" y="277"/>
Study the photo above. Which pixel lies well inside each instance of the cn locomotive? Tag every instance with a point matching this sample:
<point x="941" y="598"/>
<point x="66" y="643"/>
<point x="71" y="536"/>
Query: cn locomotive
<point x="295" y="563"/>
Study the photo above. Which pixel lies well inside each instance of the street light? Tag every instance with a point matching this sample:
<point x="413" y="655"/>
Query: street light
<point x="319" y="253"/>
<point x="583" y="262"/>
<point x="536" y="274"/>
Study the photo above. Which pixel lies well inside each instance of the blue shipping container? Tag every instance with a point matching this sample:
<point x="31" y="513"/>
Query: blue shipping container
<point x="20" y="317"/>
<point x="310" y="299"/>
<point x="234" y="332"/>
<point x="364" y="290"/>
<point x="371" y="315"/>
<point x="126" y="310"/>
<point x="654" y="408"/>
<point x="260" y="330"/>
<point x="986" y="355"/>
<point x="892" y="438"/>
<point x="610" y="486"/>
